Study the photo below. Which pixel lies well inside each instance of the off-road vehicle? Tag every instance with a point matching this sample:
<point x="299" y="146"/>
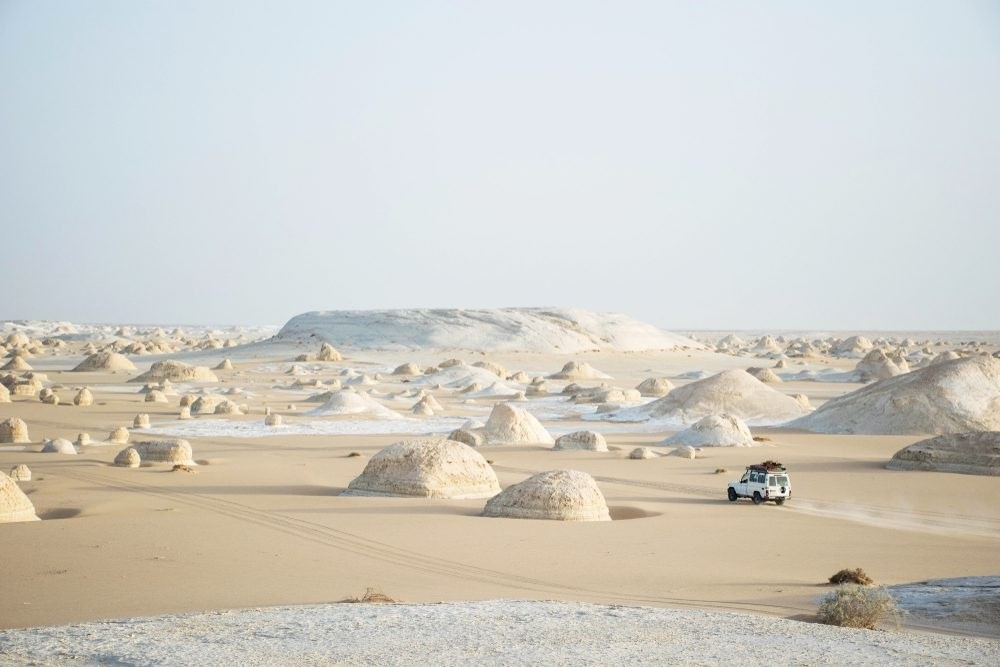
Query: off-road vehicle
<point x="762" y="482"/>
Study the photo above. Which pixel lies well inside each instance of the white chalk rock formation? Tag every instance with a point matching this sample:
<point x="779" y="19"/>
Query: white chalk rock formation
<point x="408" y="369"/>
<point x="50" y="398"/>
<point x="492" y="367"/>
<point x="655" y="387"/>
<point x="156" y="396"/>
<point x="119" y="436"/>
<point x="20" y="473"/>
<point x="347" y="402"/>
<point x="422" y="408"/>
<point x="14" y="505"/>
<point x="560" y="495"/>
<point x="966" y="453"/>
<point x="185" y="412"/>
<point x="83" y="398"/>
<point x="272" y="420"/>
<point x="733" y="392"/>
<point x="855" y="346"/>
<point x="205" y="405"/>
<point x="224" y="365"/>
<point x="467" y="436"/>
<point x="13" y="429"/>
<point x="105" y="361"/>
<point x="765" y="375"/>
<point x="511" y="425"/>
<point x="959" y="396"/>
<point x="579" y="371"/>
<point x="591" y="441"/>
<point x="565" y="331"/>
<point x="880" y="365"/>
<point x="141" y="421"/>
<point x="427" y="468"/>
<point x="176" y="371"/>
<point x="4" y="393"/>
<point x="58" y="446"/>
<point x="227" y="407"/>
<point x="16" y="364"/>
<point x="128" y="458"/>
<point x="685" y="452"/>
<point x="328" y="353"/>
<point x="643" y="453"/>
<point x="165" y="451"/>
<point x="714" y="431"/>
<point x="82" y="439"/>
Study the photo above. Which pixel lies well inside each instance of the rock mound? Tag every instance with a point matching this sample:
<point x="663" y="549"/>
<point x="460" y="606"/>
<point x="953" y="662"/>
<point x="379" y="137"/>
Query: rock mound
<point x="714" y="431"/>
<point x="83" y="398"/>
<point x="643" y="453"/>
<point x="591" y="441"/>
<point x="128" y="458"/>
<point x="511" y="425"/>
<point x="20" y="473"/>
<point x="426" y="468"/>
<point x="967" y="453"/>
<point x="176" y="371"/>
<point x="348" y="402"/>
<point x="13" y="429"/>
<point x="579" y="371"/>
<point x="654" y="387"/>
<point x="560" y="495"/>
<point x="58" y="446"/>
<point x="880" y="365"/>
<point x="14" y="505"/>
<point x="957" y="396"/>
<point x="733" y="392"/>
<point x="328" y="353"/>
<point x="165" y="451"/>
<point x="765" y="375"/>
<point x="105" y="361"/>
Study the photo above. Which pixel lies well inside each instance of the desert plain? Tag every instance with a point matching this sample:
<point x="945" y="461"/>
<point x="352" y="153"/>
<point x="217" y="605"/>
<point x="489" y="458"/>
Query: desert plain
<point x="259" y="519"/>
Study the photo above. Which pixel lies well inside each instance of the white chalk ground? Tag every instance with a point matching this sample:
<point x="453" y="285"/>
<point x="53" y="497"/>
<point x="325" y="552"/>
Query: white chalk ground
<point x="204" y="428"/>
<point x="480" y="633"/>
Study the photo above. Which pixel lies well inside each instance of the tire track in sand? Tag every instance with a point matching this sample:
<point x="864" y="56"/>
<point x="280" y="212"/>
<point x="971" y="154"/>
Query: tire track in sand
<point x="406" y="558"/>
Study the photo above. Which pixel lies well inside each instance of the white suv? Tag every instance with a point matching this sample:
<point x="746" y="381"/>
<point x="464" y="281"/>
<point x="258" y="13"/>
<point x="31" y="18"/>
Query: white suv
<point x="762" y="482"/>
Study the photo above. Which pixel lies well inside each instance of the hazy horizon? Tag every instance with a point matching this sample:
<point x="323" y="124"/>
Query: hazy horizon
<point x="699" y="166"/>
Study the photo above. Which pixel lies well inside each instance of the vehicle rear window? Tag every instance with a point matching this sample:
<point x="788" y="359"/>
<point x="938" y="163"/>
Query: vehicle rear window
<point x="781" y="481"/>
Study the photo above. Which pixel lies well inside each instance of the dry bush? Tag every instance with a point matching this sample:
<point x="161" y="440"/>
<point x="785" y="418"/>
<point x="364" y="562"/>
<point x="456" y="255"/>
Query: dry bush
<point x="854" y="606"/>
<point x="855" y="576"/>
<point x="371" y="596"/>
<point x="353" y="454"/>
<point x="761" y="438"/>
<point x="719" y="471"/>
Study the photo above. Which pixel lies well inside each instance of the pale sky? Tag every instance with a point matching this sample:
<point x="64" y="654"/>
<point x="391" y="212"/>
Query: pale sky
<point x="826" y="165"/>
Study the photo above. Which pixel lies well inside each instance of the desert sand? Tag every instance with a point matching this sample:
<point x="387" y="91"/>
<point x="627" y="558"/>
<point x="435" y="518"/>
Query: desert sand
<point x="259" y="520"/>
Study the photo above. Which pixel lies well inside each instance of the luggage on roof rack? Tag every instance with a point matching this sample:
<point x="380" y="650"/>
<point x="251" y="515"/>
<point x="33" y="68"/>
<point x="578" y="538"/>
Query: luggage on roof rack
<point x="767" y="466"/>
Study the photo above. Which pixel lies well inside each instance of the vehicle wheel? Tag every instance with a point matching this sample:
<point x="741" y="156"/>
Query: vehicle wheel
<point x="757" y="498"/>
<point x="732" y="496"/>
<point x="779" y="501"/>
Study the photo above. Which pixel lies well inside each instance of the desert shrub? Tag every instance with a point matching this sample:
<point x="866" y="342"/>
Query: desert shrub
<point x="353" y="455"/>
<point x="854" y="606"/>
<point x="719" y="471"/>
<point x="371" y="596"/>
<point x="855" y="576"/>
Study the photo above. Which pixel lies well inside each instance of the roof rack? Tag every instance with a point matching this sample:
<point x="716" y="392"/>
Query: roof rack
<point x="767" y="466"/>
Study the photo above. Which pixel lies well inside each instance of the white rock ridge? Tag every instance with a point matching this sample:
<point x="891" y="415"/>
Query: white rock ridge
<point x="565" y="330"/>
<point x="957" y="396"/>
